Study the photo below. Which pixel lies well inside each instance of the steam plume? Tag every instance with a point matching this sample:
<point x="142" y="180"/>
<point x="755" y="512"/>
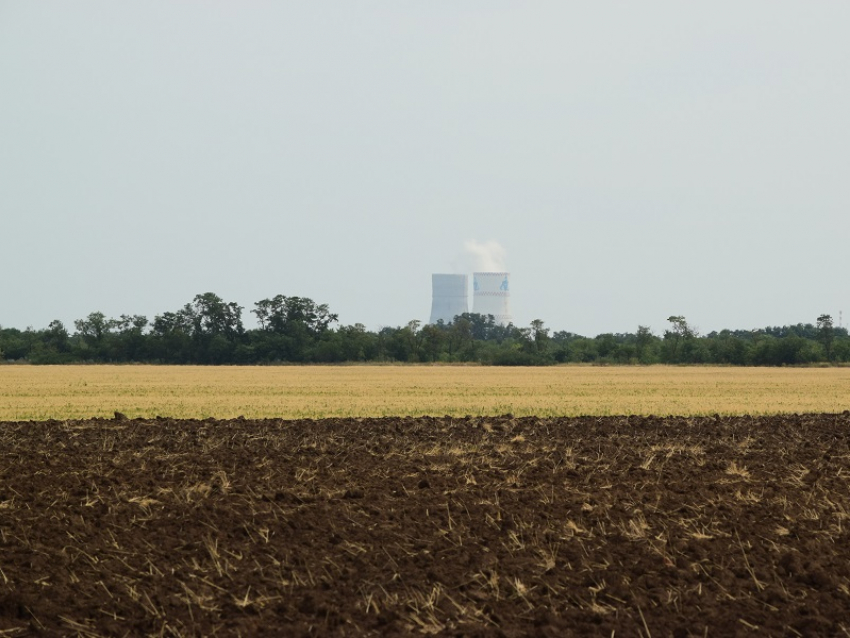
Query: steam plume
<point x="487" y="256"/>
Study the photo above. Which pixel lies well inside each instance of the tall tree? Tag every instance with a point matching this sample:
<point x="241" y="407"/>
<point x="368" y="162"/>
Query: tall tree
<point x="130" y="340"/>
<point x="94" y="327"/>
<point x="540" y="337"/>
<point x="460" y="340"/>
<point x="171" y="336"/>
<point x="95" y="331"/>
<point x="677" y="337"/>
<point x="213" y="316"/>
<point x="643" y="342"/>
<point x="826" y="334"/>
<point x="280" y="314"/>
<point x="57" y="336"/>
<point x="433" y="336"/>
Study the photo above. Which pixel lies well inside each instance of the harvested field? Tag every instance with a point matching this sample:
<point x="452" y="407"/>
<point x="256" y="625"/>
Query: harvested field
<point x="295" y="392"/>
<point x="484" y="526"/>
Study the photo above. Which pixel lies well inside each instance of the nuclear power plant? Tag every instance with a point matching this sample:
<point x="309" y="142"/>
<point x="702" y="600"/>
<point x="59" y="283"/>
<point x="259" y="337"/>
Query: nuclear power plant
<point x="491" y="295"/>
<point x="449" y="297"/>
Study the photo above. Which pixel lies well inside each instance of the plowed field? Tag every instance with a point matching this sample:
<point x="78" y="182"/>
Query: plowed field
<point x="503" y="526"/>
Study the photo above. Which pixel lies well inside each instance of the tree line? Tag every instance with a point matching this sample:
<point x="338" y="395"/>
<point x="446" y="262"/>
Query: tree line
<point x="210" y="331"/>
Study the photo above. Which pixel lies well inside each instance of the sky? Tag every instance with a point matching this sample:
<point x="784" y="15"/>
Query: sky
<point x="624" y="161"/>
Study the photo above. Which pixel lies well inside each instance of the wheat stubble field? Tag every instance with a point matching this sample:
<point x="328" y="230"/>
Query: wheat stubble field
<point x="78" y="392"/>
<point x="609" y="502"/>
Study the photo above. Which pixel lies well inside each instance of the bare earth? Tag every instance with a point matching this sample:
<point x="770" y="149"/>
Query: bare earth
<point x="503" y="526"/>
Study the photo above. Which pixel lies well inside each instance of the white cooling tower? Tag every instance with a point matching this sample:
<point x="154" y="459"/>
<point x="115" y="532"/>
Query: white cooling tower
<point x="449" y="297"/>
<point x="492" y="296"/>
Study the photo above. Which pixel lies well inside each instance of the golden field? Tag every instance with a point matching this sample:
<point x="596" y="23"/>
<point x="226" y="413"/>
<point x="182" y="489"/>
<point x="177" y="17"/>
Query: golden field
<point x="77" y="392"/>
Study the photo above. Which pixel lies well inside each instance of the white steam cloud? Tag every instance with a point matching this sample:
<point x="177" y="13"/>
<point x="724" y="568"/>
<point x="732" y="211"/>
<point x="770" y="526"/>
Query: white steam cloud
<point x="481" y="256"/>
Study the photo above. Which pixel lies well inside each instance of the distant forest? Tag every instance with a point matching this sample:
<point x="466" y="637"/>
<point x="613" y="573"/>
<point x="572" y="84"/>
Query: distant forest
<point x="209" y="331"/>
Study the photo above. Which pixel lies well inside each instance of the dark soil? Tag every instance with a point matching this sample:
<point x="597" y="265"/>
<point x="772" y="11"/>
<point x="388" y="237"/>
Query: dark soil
<point x="467" y="527"/>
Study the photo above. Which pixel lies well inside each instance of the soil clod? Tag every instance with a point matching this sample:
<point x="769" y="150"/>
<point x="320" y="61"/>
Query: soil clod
<point x="435" y="526"/>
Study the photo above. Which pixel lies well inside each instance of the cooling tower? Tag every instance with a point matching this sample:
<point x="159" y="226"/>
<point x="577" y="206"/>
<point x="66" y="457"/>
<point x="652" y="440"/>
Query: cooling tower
<point x="449" y="297"/>
<point x="491" y="295"/>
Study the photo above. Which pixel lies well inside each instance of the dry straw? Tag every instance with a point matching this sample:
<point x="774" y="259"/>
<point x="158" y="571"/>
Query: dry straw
<point x="68" y="392"/>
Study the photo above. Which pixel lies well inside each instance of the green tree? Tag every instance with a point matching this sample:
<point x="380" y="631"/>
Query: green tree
<point x="94" y="332"/>
<point x="56" y="336"/>
<point x="728" y="348"/>
<point x="130" y="340"/>
<point x="540" y="338"/>
<point x="16" y="344"/>
<point x="171" y="337"/>
<point x="826" y="334"/>
<point x="677" y="338"/>
<point x="212" y="316"/>
<point x="606" y="345"/>
<point x="583" y="350"/>
<point x="216" y="328"/>
<point x="481" y="327"/>
<point x="280" y="314"/>
<point x="460" y="343"/>
<point x="433" y="339"/>
<point x="841" y="349"/>
<point x="291" y="329"/>
<point x="93" y="328"/>
<point x="349" y="343"/>
<point x="414" y="338"/>
<point x="643" y="344"/>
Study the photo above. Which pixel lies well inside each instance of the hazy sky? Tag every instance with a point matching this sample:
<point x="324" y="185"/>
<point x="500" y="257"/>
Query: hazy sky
<point x="633" y="160"/>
